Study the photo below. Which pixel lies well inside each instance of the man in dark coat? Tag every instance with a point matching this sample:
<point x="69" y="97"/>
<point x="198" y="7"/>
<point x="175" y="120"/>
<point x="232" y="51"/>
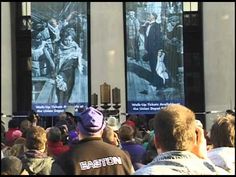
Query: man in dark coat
<point x="153" y="42"/>
<point x="90" y="155"/>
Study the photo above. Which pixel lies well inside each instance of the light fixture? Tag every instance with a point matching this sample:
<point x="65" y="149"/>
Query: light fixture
<point x="190" y="6"/>
<point x="26" y="15"/>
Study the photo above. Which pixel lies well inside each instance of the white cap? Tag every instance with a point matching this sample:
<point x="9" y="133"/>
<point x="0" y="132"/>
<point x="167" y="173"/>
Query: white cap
<point x="113" y="123"/>
<point x="70" y="109"/>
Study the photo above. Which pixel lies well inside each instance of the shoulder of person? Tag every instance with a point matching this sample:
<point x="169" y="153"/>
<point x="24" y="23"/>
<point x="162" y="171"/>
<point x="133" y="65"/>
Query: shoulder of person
<point x="56" y="169"/>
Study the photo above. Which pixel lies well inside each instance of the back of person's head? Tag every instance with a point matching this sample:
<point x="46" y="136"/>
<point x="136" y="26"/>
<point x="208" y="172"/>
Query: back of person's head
<point x="222" y="132"/>
<point x="126" y="133"/>
<point x="109" y="136"/>
<point x="64" y="133"/>
<point x="33" y="117"/>
<point x="24" y="126"/>
<point x="132" y="121"/>
<point x="12" y="136"/>
<point x="230" y="111"/>
<point x="175" y="127"/>
<point x="91" y="122"/>
<point x="62" y="116"/>
<point x="13" y="123"/>
<point x="11" y="165"/>
<point x="54" y="134"/>
<point x="36" y="138"/>
<point x="154" y="15"/>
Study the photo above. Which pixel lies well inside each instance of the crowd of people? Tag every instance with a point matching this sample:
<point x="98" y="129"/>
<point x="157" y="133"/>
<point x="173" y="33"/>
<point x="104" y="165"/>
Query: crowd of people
<point x="172" y="143"/>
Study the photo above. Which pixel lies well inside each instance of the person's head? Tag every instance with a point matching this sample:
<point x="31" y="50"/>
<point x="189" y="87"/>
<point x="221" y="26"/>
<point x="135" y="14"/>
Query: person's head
<point x="113" y="123"/>
<point x="70" y="111"/>
<point x="152" y="16"/>
<point x="90" y="123"/>
<point x="33" y="117"/>
<point x="54" y="134"/>
<point x="38" y="26"/>
<point x="64" y="133"/>
<point x="131" y="14"/>
<point x="68" y="36"/>
<point x="53" y="22"/>
<point x="222" y="132"/>
<point x="62" y="116"/>
<point x="174" y="128"/>
<point x="37" y="38"/>
<point x="71" y="118"/>
<point x="230" y="111"/>
<point x="24" y="126"/>
<point x="13" y="123"/>
<point x="11" y="165"/>
<point x="132" y="123"/>
<point x="36" y="138"/>
<point x="67" y="40"/>
<point x="109" y="136"/>
<point x="126" y="133"/>
<point x="172" y="22"/>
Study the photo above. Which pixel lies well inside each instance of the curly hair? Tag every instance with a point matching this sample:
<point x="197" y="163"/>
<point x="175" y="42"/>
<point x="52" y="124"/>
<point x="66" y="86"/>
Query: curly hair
<point x="36" y="138"/>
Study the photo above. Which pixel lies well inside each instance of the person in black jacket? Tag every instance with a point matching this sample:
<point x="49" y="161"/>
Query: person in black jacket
<point x="90" y="155"/>
<point x="153" y="42"/>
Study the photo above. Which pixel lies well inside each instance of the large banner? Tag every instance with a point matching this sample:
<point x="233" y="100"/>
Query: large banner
<point x="154" y="55"/>
<point x="59" y="56"/>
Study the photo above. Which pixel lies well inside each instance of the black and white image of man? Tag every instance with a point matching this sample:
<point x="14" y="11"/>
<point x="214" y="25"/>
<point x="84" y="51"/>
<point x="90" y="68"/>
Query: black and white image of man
<point x="157" y="74"/>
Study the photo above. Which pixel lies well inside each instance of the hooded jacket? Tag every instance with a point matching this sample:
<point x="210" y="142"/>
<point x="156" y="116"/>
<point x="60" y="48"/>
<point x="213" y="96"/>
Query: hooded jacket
<point x="36" y="162"/>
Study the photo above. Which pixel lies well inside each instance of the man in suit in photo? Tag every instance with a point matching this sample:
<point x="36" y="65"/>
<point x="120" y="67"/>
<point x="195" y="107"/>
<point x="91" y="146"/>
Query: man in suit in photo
<point x="153" y="42"/>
